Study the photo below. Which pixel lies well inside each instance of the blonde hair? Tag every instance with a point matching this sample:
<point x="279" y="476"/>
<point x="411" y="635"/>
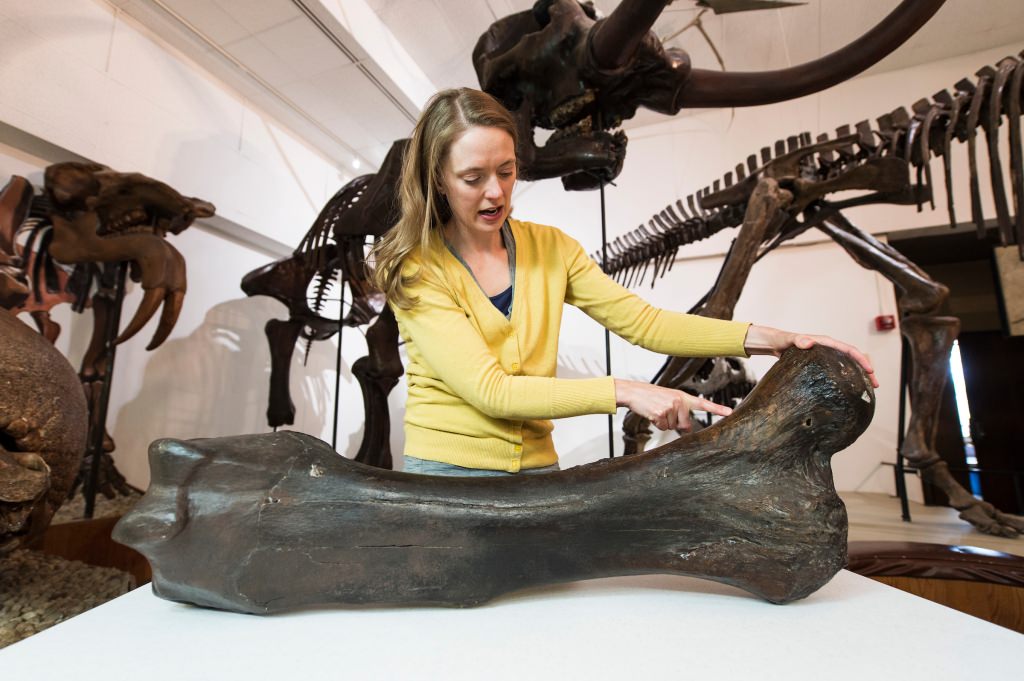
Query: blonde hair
<point x="424" y="210"/>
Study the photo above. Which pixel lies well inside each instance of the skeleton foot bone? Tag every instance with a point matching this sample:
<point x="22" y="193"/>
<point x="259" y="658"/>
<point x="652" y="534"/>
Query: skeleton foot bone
<point x="990" y="520"/>
<point x="265" y="523"/>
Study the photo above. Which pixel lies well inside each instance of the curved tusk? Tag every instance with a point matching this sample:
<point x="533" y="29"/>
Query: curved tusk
<point x="615" y="38"/>
<point x="168" y="318"/>
<point x="716" y="89"/>
<point x="150" y="302"/>
<point x="202" y="209"/>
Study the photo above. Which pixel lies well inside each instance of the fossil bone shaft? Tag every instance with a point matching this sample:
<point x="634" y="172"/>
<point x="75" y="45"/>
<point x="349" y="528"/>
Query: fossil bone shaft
<point x="264" y="523"/>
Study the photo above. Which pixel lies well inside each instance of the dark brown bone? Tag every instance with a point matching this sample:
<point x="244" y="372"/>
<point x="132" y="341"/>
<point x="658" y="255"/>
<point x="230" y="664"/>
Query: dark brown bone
<point x="991" y="123"/>
<point x="956" y="107"/>
<point x="97" y="213"/>
<point x="1013" y="115"/>
<point x="557" y="66"/>
<point x="378" y="373"/>
<point x="281" y="336"/>
<point x="42" y="431"/>
<point x="616" y="38"/>
<point x="707" y="88"/>
<point x="15" y="199"/>
<point x="333" y="246"/>
<point x="265" y="523"/>
<point x="973" y="120"/>
<point x="828" y="166"/>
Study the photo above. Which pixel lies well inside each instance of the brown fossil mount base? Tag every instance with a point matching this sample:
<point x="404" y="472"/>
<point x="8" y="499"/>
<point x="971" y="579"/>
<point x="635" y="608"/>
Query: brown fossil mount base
<point x="264" y="523"/>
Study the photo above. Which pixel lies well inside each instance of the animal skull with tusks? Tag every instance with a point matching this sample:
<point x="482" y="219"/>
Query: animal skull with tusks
<point x="100" y="215"/>
<point x="560" y="66"/>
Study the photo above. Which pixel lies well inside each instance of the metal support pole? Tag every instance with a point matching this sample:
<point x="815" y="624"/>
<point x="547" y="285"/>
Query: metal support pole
<point x="607" y="334"/>
<point x="901" y="483"/>
<point x="337" y="359"/>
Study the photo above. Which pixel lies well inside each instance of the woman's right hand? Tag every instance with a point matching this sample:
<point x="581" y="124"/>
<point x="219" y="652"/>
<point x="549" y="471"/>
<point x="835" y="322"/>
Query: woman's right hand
<point x="664" y="407"/>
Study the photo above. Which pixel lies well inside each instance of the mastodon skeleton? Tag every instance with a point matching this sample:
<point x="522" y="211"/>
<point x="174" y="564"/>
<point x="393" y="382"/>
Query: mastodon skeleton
<point x="561" y="66"/>
<point x="786" y="190"/>
<point x="748" y="502"/>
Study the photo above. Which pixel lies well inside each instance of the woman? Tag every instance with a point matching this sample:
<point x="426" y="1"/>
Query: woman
<point x="478" y="297"/>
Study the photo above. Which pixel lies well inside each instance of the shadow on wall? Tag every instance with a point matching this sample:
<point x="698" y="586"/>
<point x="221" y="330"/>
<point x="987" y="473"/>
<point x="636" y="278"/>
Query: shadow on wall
<point x="577" y="366"/>
<point x="215" y="382"/>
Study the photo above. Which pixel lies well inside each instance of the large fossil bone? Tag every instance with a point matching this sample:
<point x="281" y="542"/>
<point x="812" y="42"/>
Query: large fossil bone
<point x="42" y="431"/>
<point x="263" y="523"/>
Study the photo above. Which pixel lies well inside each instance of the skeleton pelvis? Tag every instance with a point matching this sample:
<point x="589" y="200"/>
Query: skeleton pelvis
<point x="263" y="523"/>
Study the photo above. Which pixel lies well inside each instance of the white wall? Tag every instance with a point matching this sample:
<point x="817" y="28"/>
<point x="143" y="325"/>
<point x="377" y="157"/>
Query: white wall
<point x="83" y="81"/>
<point x="92" y="83"/>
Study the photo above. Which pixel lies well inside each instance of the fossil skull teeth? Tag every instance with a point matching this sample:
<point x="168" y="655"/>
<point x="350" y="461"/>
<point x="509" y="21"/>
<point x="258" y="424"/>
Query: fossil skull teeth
<point x="569" y="110"/>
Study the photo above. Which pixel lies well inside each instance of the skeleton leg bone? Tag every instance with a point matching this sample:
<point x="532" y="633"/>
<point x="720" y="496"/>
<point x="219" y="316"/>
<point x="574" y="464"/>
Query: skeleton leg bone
<point x="281" y="336"/>
<point x="93" y="374"/>
<point x="930" y="339"/>
<point x="765" y="211"/>
<point x="266" y="523"/>
<point x="378" y="373"/>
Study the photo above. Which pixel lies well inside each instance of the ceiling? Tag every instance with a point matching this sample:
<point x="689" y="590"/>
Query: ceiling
<point x="349" y="76"/>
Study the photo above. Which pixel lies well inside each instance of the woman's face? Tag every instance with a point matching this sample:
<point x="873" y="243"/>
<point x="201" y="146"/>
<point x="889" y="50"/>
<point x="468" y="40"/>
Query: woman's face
<point x="478" y="177"/>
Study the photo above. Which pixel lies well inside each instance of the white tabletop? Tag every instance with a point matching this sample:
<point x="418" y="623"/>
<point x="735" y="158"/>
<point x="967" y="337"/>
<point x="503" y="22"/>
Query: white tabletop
<point x="628" y="629"/>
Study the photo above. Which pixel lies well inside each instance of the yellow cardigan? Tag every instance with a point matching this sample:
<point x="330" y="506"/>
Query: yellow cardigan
<point x="482" y="388"/>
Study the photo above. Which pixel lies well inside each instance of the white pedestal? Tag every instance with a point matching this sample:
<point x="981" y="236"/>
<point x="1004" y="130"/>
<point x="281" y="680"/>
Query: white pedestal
<point x="627" y="629"/>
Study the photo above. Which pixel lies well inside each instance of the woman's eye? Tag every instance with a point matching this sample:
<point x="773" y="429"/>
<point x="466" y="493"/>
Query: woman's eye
<point x="505" y="174"/>
<point x="471" y="180"/>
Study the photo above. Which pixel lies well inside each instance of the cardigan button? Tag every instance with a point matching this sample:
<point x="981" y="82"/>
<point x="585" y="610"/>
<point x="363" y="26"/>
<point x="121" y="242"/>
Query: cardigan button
<point x="515" y="366"/>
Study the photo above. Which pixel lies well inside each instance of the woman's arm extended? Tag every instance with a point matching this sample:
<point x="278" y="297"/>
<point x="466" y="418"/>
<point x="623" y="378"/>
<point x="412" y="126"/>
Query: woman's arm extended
<point x="667" y="408"/>
<point x="447" y="347"/>
<point x="764" y="340"/>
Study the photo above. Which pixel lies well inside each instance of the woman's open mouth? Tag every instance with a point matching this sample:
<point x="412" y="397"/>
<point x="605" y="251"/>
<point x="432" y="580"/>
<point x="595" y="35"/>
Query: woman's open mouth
<point x="491" y="213"/>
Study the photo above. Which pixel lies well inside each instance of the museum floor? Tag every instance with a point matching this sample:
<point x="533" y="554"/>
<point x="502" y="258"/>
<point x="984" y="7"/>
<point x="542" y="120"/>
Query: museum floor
<point x="876" y="517"/>
<point x="39" y="590"/>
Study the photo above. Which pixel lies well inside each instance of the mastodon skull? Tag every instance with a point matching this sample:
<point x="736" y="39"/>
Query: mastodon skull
<point x="539" y="64"/>
<point x="560" y="66"/>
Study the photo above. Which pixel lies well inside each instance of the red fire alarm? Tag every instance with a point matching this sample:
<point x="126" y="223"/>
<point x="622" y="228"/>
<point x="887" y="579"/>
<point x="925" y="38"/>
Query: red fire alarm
<point x="885" y="322"/>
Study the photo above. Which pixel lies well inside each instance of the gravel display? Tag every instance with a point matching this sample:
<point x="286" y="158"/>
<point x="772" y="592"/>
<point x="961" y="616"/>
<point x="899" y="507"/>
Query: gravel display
<point x="39" y="590"/>
<point x="74" y="508"/>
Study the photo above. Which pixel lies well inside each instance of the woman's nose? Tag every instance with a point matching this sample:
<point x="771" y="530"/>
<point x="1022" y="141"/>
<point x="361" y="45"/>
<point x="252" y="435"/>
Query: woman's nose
<point x="493" y="188"/>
